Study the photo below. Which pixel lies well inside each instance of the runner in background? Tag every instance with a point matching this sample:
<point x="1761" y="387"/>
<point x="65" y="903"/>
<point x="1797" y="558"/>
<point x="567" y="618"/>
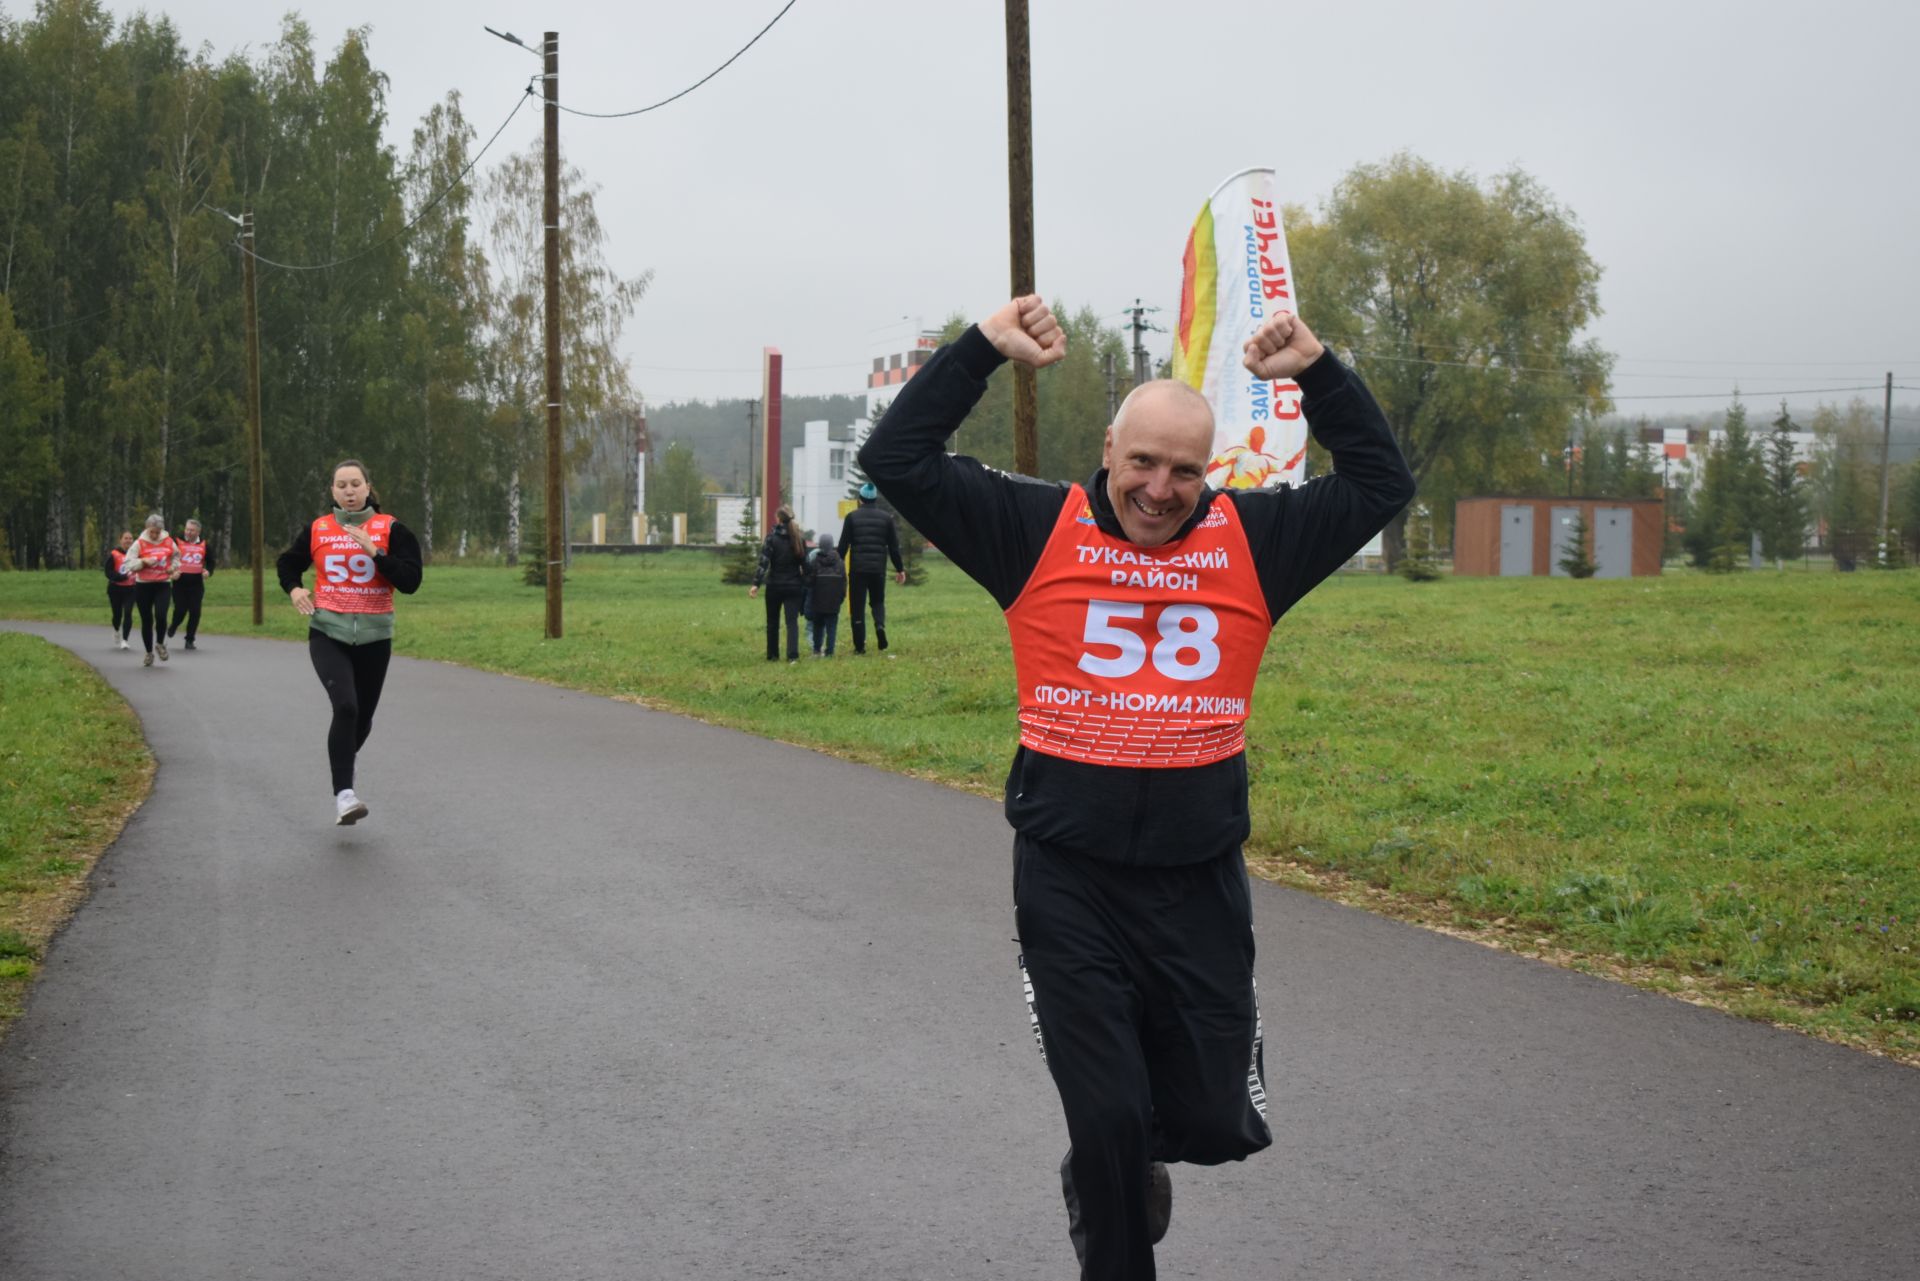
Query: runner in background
<point x="189" y="589"/>
<point x="119" y="588"/>
<point x="153" y="559"/>
<point x="361" y="556"/>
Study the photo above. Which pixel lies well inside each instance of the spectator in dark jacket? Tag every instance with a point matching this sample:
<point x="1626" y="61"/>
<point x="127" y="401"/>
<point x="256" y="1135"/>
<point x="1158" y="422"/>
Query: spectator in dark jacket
<point x="868" y="537"/>
<point x="826" y="589"/>
<point x="779" y="568"/>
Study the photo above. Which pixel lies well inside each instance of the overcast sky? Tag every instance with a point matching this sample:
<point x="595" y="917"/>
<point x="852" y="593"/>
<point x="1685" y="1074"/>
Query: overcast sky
<point x="1745" y="172"/>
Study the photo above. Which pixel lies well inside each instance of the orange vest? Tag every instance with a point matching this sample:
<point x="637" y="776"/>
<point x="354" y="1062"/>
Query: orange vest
<point x="1139" y="656"/>
<point x="120" y="578"/>
<point x="159" y="558"/>
<point x="345" y="580"/>
<point x="193" y="557"/>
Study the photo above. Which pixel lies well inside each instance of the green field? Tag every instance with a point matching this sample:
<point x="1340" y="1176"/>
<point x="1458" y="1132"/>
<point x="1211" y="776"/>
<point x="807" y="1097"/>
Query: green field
<point x="1701" y="783"/>
<point x="72" y="767"/>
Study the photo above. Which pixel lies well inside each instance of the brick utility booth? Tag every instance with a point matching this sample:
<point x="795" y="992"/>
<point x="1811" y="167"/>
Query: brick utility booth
<point x="1526" y="537"/>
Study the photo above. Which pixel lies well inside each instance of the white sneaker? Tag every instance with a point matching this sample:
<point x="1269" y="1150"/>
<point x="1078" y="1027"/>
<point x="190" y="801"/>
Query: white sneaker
<point x="348" y="809"/>
<point x="123" y="642"/>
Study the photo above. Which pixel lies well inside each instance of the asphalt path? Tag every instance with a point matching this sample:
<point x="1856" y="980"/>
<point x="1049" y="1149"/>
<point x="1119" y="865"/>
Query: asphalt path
<point x="599" y="992"/>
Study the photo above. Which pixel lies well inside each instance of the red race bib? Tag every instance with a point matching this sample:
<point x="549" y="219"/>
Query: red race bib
<point x="1139" y="656"/>
<point x="345" y="580"/>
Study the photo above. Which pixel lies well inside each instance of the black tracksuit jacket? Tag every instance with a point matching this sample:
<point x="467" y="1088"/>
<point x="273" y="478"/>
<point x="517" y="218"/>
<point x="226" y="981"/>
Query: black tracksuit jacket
<point x="994" y="526"/>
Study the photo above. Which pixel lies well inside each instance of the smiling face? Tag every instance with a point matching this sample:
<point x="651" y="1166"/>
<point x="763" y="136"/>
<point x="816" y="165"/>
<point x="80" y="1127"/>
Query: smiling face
<point x="349" y="488"/>
<point x="193" y="531"/>
<point x="1156" y="459"/>
<point x="126" y="539"/>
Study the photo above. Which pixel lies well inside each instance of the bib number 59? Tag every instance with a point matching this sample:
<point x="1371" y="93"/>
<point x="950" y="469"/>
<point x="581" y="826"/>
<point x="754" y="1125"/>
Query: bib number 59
<point x="1185" y="650"/>
<point x="357" y="568"/>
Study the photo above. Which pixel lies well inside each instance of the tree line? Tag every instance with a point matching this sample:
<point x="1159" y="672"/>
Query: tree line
<point x="399" y="294"/>
<point x="400" y="321"/>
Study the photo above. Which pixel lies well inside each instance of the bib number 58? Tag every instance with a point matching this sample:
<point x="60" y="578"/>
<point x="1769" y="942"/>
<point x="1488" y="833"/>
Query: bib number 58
<point x="1185" y="650"/>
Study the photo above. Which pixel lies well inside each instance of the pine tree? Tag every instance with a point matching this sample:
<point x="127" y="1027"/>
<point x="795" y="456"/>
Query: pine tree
<point x="533" y="550"/>
<point x="1575" y="559"/>
<point x="1783" y="529"/>
<point x="1418" y="566"/>
<point x="743" y="550"/>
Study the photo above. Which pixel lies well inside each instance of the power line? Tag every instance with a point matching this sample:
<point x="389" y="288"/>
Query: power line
<point x="639" y="111"/>
<point x="1742" y="393"/>
<point x="425" y="209"/>
<point x="47" y="329"/>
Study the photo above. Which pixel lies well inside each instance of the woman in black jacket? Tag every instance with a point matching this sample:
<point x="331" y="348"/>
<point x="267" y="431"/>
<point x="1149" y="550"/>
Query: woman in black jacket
<point x="781" y="556"/>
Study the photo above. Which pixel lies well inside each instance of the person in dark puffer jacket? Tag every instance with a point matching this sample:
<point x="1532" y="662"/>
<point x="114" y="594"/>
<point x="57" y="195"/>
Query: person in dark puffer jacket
<point x="868" y="537"/>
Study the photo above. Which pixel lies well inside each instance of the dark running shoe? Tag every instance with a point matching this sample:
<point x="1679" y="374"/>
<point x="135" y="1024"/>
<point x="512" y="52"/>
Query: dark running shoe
<point x="1159" y="1205"/>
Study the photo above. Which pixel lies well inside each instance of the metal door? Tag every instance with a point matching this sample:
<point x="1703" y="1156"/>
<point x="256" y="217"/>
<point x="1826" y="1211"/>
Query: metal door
<point x="1563" y="522"/>
<point x="1516" y="542"/>
<point x="1613" y="542"/>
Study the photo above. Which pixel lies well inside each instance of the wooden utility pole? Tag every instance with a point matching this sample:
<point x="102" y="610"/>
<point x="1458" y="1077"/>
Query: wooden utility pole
<point x="1026" y="404"/>
<point x="556" y="501"/>
<point x="1886" y="451"/>
<point x="256" y="504"/>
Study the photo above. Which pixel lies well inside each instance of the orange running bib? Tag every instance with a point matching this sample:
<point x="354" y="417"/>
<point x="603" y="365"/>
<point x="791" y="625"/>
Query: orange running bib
<point x="1139" y="656"/>
<point x="193" y="558"/>
<point x="345" y="580"/>
<point x="158" y="557"/>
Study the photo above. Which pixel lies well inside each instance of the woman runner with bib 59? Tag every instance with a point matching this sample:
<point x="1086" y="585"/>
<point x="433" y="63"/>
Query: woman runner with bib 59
<point x="361" y="557"/>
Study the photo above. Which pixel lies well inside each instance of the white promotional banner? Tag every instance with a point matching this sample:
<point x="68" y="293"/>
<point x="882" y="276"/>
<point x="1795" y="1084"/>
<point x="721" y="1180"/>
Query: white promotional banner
<point x="1236" y="274"/>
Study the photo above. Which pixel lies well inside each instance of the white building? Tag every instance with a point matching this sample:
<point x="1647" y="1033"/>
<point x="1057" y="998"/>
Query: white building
<point x="822" y="473"/>
<point x="898" y="352"/>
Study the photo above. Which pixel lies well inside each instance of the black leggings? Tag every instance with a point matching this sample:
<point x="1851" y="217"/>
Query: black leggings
<point x="188" y="591"/>
<point x="785" y="599"/>
<point x="121" y="600"/>
<point x="353" y="676"/>
<point x="152" y="598"/>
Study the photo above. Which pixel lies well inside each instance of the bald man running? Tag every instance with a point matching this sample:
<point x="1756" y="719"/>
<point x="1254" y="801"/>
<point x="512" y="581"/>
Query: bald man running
<point x="1138" y="605"/>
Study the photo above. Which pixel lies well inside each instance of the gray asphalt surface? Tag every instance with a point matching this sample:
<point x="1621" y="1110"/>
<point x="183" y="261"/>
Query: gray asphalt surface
<point x="597" y="992"/>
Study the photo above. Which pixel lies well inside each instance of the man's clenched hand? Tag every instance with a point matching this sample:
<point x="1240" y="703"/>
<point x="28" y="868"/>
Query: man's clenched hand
<point x="1024" y="331"/>
<point x="1281" y="348"/>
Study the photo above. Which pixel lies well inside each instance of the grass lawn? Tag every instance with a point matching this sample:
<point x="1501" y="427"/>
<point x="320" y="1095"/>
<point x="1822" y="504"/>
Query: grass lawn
<point x="1704" y="784"/>
<point x="72" y="768"/>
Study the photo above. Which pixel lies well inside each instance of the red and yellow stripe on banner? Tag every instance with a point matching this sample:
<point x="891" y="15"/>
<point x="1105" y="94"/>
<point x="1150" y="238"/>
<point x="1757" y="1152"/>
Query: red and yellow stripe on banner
<point x="1199" y="296"/>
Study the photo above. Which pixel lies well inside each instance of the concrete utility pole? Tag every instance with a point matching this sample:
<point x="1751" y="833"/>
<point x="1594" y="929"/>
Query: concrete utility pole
<point x="1142" y="371"/>
<point x="256" y="503"/>
<point x="753" y="414"/>
<point x="1886" y="450"/>
<point x="556" y="500"/>
<point x="1026" y="401"/>
<point x="1113" y="390"/>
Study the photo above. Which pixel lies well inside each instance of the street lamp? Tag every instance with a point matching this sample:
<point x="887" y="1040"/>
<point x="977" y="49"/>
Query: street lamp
<point x="510" y="38"/>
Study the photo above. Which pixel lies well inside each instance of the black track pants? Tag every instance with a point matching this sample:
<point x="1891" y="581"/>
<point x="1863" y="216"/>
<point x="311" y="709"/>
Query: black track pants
<point x="783" y="600"/>
<point x="861" y="588"/>
<point x="353" y="676"/>
<point x="188" y="591"/>
<point x="151" y="599"/>
<point x="1142" y="986"/>
<point x="120" y="599"/>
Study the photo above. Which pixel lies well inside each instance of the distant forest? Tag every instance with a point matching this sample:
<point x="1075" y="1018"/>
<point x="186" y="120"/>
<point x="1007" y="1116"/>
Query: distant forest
<point x="716" y="431"/>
